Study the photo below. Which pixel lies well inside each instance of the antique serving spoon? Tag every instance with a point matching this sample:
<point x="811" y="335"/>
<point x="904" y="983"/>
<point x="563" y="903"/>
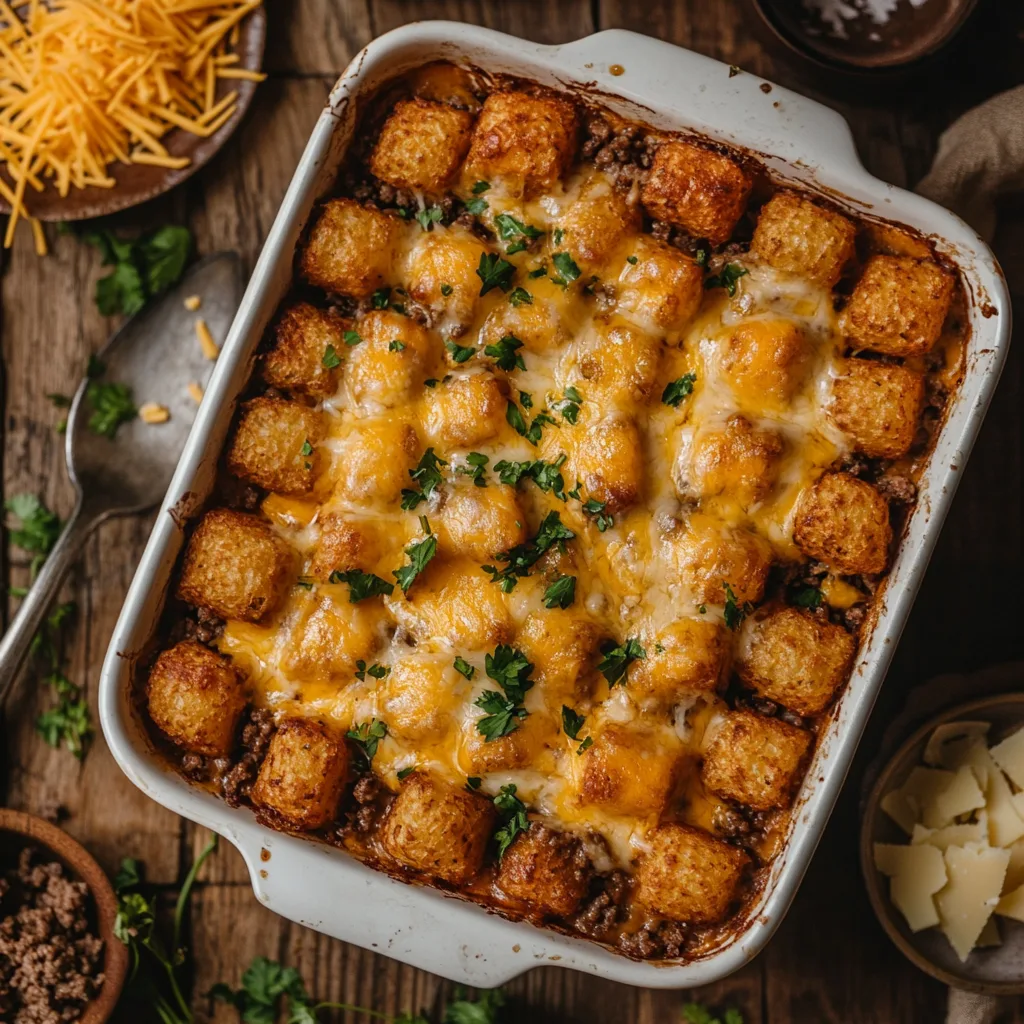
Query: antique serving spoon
<point x="157" y="355"/>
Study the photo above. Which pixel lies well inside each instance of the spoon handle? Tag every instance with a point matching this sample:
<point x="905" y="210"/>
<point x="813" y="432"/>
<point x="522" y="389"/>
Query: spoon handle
<point x="15" y="644"/>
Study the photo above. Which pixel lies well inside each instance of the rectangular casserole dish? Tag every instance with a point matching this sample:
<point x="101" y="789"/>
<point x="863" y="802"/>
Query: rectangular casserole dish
<point x="798" y="141"/>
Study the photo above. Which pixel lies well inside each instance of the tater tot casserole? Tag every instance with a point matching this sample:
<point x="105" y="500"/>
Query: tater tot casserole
<point x="559" y="502"/>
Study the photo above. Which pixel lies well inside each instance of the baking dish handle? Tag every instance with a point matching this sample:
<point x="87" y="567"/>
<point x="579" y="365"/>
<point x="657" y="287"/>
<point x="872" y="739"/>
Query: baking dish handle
<point x="725" y="102"/>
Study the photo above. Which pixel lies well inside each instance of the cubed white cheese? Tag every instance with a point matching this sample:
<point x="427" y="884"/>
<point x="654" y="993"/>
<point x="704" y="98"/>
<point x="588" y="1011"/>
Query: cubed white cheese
<point x="970" y="896"/>
<point x="944" y="734"/>
<point x="1009" y="755"/>
<point x="959" y="795"/>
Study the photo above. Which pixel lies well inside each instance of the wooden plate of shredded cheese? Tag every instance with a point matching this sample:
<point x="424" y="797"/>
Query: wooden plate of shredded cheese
<point x="942" y="846"/>
<point x="108" y="103"/>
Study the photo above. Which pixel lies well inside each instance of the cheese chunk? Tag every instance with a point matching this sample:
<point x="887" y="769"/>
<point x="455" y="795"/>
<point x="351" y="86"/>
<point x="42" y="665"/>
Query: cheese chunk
<point x="960" y="796"/>
<point x="1005" y="825"/>
<point x="1015" y="870"/>
<point x="967" y="902"/>
<point x="953" y="835"/>
<point x="898" y="807"/>
<point x="917" y="873"/>
<point x="946" y="733"/>
<point x="1012" y="904"/>
<point x="1009" y="755"/>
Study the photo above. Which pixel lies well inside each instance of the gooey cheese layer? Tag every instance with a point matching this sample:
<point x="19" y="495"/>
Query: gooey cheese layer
<point x="302" y="659"/>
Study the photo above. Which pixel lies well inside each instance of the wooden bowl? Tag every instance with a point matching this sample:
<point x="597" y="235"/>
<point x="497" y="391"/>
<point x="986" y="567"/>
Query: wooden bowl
<point x="30" y="830"/>
<point x="137" y="183"/>
<point x="997" y="970"/>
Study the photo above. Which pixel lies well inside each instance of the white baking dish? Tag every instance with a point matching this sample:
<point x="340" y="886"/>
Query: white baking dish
<point x="798" y="140"/>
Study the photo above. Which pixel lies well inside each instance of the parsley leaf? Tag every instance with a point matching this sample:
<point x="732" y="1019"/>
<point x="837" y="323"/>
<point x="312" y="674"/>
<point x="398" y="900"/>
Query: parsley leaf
<point x="513" y="811"/>
<point x="734" y="612"/>
<point x="726" y="278"/>
<point x="702" y="255"/>
<point x="380" y="298"/>
<point x="522" y="557"/>
<point x="404" y="773"/>
<point x="505" y="353"/>
<point x="494" y="272"/>
<point x="476" y="206"/>
<point x="480" y="186"/>
<point x="514" y="418"/>
<point x="617" y="659"/>
<point x="509" y="668"/>
<point x="509" y="227"/>
<point x="37" y="530"/>
<point x="368" y="736"/>
<point x="695" y="1013"/>
<point x="352" y="338"/>
<point x="460" y="353"/>
<point x="568" y="270"/>
<point x="428" y="217"/>
<point x="143" y="268"/>
<point x="111" y="405"/>
<point x="476" y="468"/>
<point x="419" y="554"/>
<point x="520" y="297"/>
<point x="362" y="585"/>
<point x="571" y="722"/>
<point x="331" y="359"/>
<point x="561" y="593"/>
<point x="464" y="668"/>
<point x="569" y="406"/>
<point x="265" y="984"/>
<point x="593" y="507"/>
<point x="428" y="475"/>
<point x="446" y="290"/>
<point x="676" y="390"/>
<point x="396" y="346"/>
<point x="808" y="597"/>
<point x="483" y="1011"/>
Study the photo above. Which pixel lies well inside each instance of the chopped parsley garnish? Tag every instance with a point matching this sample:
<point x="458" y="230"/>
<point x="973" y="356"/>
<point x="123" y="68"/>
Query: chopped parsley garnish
<point x="548" y="477"/>
<point x="419" y="554"/>
<point x="569" y="406"/>
<point x="404" y="773"/>
<point x="473" y="783"/>
<point x="632" y="260"/>
<point x="505" y="353"/>
<point x="617" y="659"/>
<point x="697" y="1013"/>
<point x="676" y="390"/>
<point x="398" y="307"/>
<point x="571" y="725"/>
<point x="476" y="468"/>
<point x="476" y="206"/>
<point x="594" y="508"/>
<point x="735" y="613"/>
<point x="396" y="346"/>
<point x="514" y="418"/>
<point x="331" y="359"/>
<point x="726" y="278"/>
<point x="808" y="597"/>
<point x="428" y="475"/>
<point x="111" y="405"/>
<point x="446" y="290"/>
<point x="494" y="272"/>
<point x="526" y="399"/>
<point x="307" y="448"/>
<point x="362" y="585"/>
<point x="524" y="556"/>
<point x="464" y="668"/>
<point x="430" y="382"/>
<point x="509" y="668"/>
<point x="352" y="338"/>
<point x="380" y="298"/>
<point x="541" y="271"/>
<point x="510" y="229"/>
<point x="513" y="811"/>
<point x="702" y="608"/>
<point x="368" y="735"/>
<point x="304" y="582"/>
<point x="520" y="297"/>
<point x="702" y="255"/>
<point x="480" y="187"/>
<point x="459" y="353"/>
<point x="568" y="270"/>
<point x="557" y="235"/>
<point x="561" y="593"/>
<point x="377" y="671"/>
<point x="429" y="217"/>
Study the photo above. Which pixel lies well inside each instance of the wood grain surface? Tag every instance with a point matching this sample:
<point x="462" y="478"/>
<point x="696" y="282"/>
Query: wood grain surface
<point x="830" y="961"/>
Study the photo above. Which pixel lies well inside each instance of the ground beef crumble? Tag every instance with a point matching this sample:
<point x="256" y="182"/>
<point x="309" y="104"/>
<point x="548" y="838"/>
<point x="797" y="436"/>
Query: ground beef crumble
<point x="605" y="907"/>
<point x="49" y="959"/>
<point x="256" y="735"/>
<point x="656" y="939"/>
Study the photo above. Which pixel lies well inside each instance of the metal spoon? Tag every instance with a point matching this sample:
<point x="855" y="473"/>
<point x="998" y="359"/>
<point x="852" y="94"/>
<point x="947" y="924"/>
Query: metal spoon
<point x="157" y="355"/>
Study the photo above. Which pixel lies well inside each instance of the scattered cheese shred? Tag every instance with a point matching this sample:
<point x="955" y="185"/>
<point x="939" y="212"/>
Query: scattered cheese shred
<point x="193" y="302"/>
<point x="210" y="348"/>
<point x="196" y="392"/>
<point x="85" y="84"/>
<point x="151" y="412"/>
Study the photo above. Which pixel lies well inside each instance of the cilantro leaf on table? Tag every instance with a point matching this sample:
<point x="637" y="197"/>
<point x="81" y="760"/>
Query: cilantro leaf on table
<point x="111" y="405"/>
<point x="37" y="529"/>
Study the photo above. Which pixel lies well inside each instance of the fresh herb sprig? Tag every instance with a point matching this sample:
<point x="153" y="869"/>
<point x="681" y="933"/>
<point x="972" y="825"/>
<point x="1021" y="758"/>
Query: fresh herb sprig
<point x="513" y="813"/>
<point x="618" y="658"/>
<point x="504" y="711"/>
<point x="522" y="557"/>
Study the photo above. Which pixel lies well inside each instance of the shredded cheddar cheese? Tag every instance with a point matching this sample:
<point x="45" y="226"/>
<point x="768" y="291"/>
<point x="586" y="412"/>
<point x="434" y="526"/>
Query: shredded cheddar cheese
<point x="85" y="84"/>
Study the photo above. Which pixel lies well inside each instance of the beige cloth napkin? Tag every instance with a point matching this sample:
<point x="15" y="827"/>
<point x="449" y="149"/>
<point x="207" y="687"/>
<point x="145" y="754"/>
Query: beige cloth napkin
<point x="980" y="161"/>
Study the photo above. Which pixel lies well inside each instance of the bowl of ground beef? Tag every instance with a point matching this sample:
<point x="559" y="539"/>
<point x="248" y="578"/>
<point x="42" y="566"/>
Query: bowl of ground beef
<point x="59" y="960"/>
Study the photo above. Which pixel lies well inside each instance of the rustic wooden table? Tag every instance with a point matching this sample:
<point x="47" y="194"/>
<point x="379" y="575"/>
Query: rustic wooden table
<point x="830" y="960"/>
